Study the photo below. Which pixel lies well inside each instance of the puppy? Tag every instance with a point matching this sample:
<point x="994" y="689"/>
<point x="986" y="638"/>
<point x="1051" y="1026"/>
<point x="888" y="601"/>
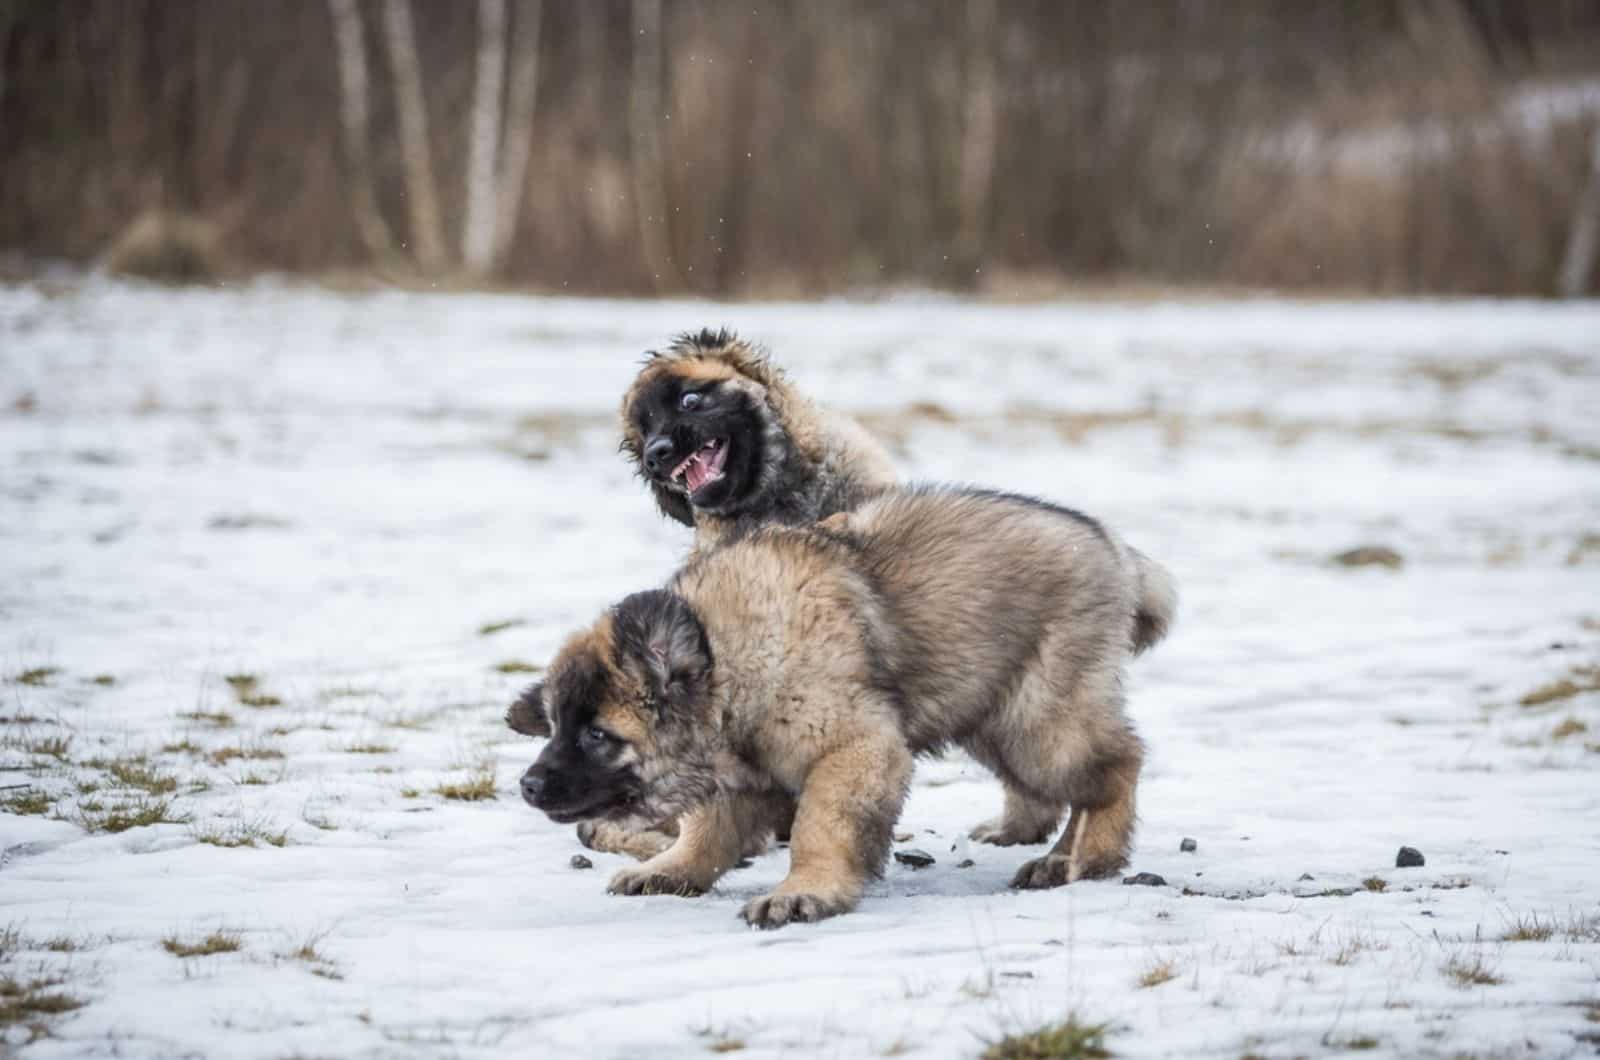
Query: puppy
<point x="726" y="444"/>
<point x="806" y="667"/>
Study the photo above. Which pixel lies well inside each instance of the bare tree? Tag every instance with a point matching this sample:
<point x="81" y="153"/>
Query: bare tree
<point x="978" y="138"/>
<point x="478" y="232"/>
<point x="519" y="120"/>
<point x="355" y="114"/>
<point x="1584" y="244"/>
<point x="426" y="229"/>
<point x="644" y="114"/>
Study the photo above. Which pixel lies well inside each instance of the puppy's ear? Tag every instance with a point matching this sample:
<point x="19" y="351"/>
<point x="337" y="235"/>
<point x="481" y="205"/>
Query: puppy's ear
<point x="661" y="642"/>
<point x="527" y="715"/>
<point x="673" y="504"/>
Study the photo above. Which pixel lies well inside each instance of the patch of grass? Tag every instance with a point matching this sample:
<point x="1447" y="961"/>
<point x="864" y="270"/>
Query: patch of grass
<point x="1471" y="970"/>
<point x="217" y="942"/>
<point x="1358" y="1044"/>
<point x="139" y="813"/>
<point x="183" y="746"/>
<point x="223" y="755"/>
<point x="55" y="746"/>
<point x="242" y="684"/>
<point x="1569" y="727"/>
<point x="37" y="677"/>
<point x="1529" y="929"/>
<point x="247" y="690"/>
<point x="20" y="719"/>
<point x="347" y="692"/>
<point x="253" y="779"/>
<point x="30" y="1002"/>
<point x="220" y="718"/>
<point x="516" y="666"/>
<point x="26" y="802"/>
<point x="1555" y="692"/>
<point x="1159" y="971"/>
<point x="239" y="832"/>
<point x="136" y="773"/>
<point x="475" y="787"/>
<point x="260" y="701"/>
<point x="409" y="793"/>
<point x="1376" y="884"/>
<point x="1071" y="1039"/>
<point x="1352" y="946"/>
<point x="370" y="748"/>
<point x="719" y="1039"/>
<point x="103" y="680"/>
<point x="318" y="963"/>
<point x="489" y="629"/>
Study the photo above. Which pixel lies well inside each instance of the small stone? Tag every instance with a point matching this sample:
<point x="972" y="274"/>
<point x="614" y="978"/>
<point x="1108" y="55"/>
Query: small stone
<point x="1409" y="858"/>
<point x="902" y="837"/>
<point x="1306" y="876"/>
<point x="917" y="859"/>
<point x="1188" y="846"/>
<point x="580" y="862"/>
<point x="1144" y="879"/>
<point x="1369" y="556"/>
<point x="965" y="863"/>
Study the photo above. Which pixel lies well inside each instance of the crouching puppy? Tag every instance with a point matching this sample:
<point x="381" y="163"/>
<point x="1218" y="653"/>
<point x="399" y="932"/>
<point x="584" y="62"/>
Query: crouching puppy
<point x="805" y="667"/>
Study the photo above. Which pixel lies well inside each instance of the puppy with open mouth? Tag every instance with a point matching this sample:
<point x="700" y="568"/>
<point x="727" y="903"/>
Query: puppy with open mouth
<point x="801" y="669"/>
<point x="726" y="444"/>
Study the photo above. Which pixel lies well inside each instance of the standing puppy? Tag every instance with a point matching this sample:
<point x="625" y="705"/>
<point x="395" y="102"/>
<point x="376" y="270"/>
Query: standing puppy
<point x="806" y="667"/>
<point x="726" y="444"/>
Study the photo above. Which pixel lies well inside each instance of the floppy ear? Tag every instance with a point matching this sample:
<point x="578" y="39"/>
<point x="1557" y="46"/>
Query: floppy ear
<point x="527" y="715"/>
<point x="663" y="645"/>
<point x="673" y="504"/>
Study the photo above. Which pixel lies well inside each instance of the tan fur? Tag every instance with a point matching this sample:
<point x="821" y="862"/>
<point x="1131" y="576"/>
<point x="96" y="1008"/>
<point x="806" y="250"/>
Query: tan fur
<point x="923" y="618"/>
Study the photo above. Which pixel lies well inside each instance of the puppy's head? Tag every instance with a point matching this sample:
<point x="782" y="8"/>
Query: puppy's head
<point x="626" y="702"/>
<point x="700" y="426"/>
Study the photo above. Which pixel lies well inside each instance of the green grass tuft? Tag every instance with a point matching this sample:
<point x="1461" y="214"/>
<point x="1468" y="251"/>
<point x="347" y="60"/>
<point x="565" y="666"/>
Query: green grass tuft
<point x="1471" y="971"/>
<point x="517" y="666"/>
<point x="139" y="813"/>
<point x="1068" y="1040"/>
<point x="136" y="773"/>
<point x="475" y="787"/>
<point x="26" y="802"/>
<point x="37" y="677"/>
<point x="489" y="629"/>
<point x="239" y="832"/>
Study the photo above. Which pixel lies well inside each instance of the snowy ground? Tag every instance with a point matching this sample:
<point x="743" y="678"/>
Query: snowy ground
<point x="342" y="496"/>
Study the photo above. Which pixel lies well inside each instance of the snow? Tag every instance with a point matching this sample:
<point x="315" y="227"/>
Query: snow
<point x="334" y="492"/>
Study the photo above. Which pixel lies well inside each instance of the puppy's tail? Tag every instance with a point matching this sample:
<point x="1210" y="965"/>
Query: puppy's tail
<point x="527" y="714"/>
<point x="1157" y="603"/>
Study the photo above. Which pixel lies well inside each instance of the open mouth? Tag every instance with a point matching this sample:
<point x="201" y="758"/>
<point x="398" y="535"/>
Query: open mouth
<point x="703" y="466"/>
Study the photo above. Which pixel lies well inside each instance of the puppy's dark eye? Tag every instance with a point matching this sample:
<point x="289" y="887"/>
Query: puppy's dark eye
<point x="595" y="738"/>
<point x="691" y="400"/>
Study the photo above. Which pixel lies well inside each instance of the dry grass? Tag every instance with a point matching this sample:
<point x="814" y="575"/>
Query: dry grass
<point x="1568" y="727"/>
<point x="26" y="802"/>
<point x="219" y="718"/>
<point x="1071" y="1039"/>
<point x="139" y="813"/>
<point x="1160" y="970"/>
<point x="1376" y="884"/>
<point x="54" y="746"/>
<point x="36" y="677"/>
<point x="136" y="773"/>
<point x="1468" y="970"/>
<point x="30" y="1002"/>
<point x="1581" y="681"/>
<point x="217" y="942"/>
<point x="489" y="629"/>
<point x="475" y="787"/>
<point x="247" y="690"/>
<point x="241" y="831"/>
<point x="1529" y="929"/>
<point x="373" y="748"/>
<point x="223" y="755"/>
<point x="516" y="666"/>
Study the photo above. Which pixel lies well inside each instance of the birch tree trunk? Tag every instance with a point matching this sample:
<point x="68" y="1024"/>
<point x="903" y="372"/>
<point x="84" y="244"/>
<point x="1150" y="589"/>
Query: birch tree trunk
<point x="1584" y="243"/>
<point x="427" y="232"/>
<point x="478" y="231"/>
<point x="978" y="139"/>
<point x="519" y="121"/>
<point x="355" y="112"/>
<point x="644" y="116"/>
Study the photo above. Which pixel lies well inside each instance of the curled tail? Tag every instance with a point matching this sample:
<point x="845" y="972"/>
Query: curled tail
<point x="1157" y="601"/>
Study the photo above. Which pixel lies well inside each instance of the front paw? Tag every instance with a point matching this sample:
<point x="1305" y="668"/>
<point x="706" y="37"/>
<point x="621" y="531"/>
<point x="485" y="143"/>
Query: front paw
<point x="775" y="910"/>
<point x="1052" y="870"/>
<point x="646" y="880"/>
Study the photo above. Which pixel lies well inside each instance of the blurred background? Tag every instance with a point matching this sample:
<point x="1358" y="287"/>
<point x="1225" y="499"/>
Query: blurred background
<point x="1015" y="148"/>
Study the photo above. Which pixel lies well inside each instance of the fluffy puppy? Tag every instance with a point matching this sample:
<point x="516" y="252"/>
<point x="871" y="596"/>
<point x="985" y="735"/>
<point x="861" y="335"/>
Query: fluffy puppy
<point x="804" y="668"/>
<point x="726" y="444"/>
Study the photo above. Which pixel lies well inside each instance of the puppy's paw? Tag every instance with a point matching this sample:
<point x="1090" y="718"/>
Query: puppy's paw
<point x="776" y="910"/>
<point x="645" y="880"/>
<point x="1003" y="833"/>
<point x="612" y="837"/>
<point x="1052" y="870"/>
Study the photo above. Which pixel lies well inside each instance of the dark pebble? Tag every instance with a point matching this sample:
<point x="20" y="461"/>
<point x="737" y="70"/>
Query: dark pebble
<point x="1188" y="846"/>
<point x="965" y="863"/>
<point x="917" y="859"/>
<point x="580" y="862"/>
<point x="1370" y="556"/>
<point x="1306" y="876"/>
<point x="1144" y="879"/>
<point x="1409" y="858"/>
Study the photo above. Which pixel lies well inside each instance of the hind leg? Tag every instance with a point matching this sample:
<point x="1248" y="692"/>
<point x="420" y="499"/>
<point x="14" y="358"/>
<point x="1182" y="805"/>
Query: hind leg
<point x="1026" y="820"/>
<point x="1099" y="834"/>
